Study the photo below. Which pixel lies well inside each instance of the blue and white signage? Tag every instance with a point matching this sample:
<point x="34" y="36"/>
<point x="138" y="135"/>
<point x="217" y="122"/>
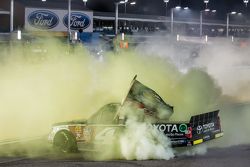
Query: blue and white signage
<point x="57" y="20"/>
<point x="43" y="19"/>
<point x="78" y="21"/>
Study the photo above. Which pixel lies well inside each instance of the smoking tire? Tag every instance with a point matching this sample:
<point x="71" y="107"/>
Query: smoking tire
<point x="64" y="142"/>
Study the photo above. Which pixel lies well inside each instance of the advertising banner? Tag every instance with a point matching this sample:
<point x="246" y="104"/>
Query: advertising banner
<point x="37" y="19"/>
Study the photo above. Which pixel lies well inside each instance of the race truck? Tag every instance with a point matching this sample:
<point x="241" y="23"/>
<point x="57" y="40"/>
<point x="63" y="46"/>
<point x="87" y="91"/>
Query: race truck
<point x="110" y="121"/>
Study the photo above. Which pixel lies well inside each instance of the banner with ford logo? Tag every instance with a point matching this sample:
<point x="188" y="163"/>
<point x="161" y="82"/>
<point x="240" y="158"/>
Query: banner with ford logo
<point x="78" y="21"/>
<point x="37" y="19"/>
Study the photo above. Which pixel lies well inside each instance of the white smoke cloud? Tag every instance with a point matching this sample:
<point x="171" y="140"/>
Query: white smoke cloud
<point x="38" y="92"/>
<point x="228" y="64"/>
<point x="141" y="141"/>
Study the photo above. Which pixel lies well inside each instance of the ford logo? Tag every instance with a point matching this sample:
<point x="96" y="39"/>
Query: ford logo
<point x="43" y="19"/>
<point x="78" y="21"/>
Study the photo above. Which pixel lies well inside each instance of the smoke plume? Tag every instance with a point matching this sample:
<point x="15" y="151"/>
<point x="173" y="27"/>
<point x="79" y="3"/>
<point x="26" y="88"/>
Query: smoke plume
<point x="226" y="65"/>
<point x="46" y="82"/>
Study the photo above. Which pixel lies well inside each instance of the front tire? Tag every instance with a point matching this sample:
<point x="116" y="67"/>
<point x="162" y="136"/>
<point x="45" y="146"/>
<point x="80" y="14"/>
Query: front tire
<point x="65" y="142"/>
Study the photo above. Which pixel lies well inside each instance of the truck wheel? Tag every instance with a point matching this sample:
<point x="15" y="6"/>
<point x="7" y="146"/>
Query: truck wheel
<point x="65" y="142"/>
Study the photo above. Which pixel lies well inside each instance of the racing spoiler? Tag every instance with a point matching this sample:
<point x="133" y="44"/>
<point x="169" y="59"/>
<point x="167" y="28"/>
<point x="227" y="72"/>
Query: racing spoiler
<point x="204" y="118"/>
<point x="199" y="129"/>
<point x="205" y="127"/>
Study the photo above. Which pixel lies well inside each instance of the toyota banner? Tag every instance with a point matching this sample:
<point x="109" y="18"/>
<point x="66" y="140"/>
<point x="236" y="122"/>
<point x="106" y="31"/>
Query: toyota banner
<point x="57" y="20"/>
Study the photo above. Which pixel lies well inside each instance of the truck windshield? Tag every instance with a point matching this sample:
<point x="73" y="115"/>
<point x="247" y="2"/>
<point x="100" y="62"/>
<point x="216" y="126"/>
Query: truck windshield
<point x="105" y="115"/>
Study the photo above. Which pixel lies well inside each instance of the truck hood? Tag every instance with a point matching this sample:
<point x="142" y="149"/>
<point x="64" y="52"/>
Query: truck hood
<point x="73" y="122"/>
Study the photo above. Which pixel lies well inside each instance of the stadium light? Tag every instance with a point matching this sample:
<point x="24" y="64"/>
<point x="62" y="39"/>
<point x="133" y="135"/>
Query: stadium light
<point x="228" y="17"/>
<point x="43" y="0"/>
<point x="201" y="18"/>
<point x="172" y="16"/>
<point x="246" y="2"/>
<point x="125" y="7"/>
<point x="133" y="3"/>
<point x="85" y="2"/>
<point x="206" y="2"/>
<point x="122" y="2"/>
<point x="166" y="1"/>
<point x="125" y="4"/>
<point x="117" y="11"/>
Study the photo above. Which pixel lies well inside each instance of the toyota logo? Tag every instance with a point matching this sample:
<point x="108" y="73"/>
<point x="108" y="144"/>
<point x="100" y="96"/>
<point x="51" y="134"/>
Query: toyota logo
<point x="199" y="129"/>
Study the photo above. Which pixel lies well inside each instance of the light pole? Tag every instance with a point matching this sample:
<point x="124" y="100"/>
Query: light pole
<point x="166" y="1"/>
<point x="116" y="17"/>
<point x="125" y="6"/>
<point x="85" y="3"/>
<point x="228" y="17"/>
<point x="246" y="2"/>
<point x="11" y="16"/>
<point x="172" y="21"/>
<point x="125" y="10"/>
<point x="206" y="2"/>
<point x="117" y="11"/>
<point x="69" y="17"/>
<point x="172" y="16"/>
<point x="201" y="19"/>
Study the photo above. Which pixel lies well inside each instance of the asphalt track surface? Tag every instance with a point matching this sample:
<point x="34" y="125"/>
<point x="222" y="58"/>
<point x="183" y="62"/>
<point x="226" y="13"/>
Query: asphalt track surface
<point x="236" y="156"/>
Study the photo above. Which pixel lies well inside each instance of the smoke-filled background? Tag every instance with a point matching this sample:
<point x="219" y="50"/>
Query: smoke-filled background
<point x="227" y="64"/>
<point x="39" y="87"/>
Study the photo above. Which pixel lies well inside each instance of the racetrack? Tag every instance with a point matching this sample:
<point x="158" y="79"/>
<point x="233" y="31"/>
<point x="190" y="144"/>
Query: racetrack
<point x="215" y="157"/>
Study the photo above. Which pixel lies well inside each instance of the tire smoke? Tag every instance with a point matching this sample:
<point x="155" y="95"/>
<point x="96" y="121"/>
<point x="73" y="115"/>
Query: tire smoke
<point x="48" y="83"/>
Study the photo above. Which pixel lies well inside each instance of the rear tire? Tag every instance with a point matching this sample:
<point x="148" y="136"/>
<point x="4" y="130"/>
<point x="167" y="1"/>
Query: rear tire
<point x="65" y="142"/>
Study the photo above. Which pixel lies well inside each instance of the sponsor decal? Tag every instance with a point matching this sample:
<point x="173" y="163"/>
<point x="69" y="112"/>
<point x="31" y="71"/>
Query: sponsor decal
<point x="171" y="128"/>
<point x="78" y="132"/>
<point x="179" y="142"/>
<point x="205" y="128"/>
<point x="183" y="128"/>
<point x="87" y="131"/>
<point x="78" y="20"/>
<point x="208" y="126"/>
<point x="199" y="129"/>
<point x="217" y="131"/>
<point x="198" y="141"/>
<point x="207" y="137"/>
<point x="219" y="135"/>
<point x="43" y="19"/>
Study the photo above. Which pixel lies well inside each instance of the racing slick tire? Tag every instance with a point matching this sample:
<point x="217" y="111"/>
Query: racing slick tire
<point x="65" y="142"/>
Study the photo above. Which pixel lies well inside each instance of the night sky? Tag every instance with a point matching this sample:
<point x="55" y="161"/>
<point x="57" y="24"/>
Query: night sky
<point x="148" y="7"/>
<point x="157" y="7"/>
